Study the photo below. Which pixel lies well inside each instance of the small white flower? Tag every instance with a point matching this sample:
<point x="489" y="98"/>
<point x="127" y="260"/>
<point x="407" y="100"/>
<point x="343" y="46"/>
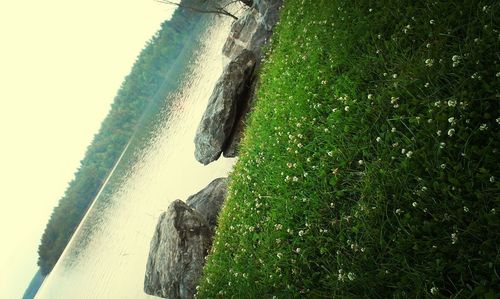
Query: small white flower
<point x="378" y="139"/>
<point x="452" y="103"/>
<point x="443" y="166"/>
<point x="451" y="132"/>
<point x="414" y="204"/>
<point x="399" y="211"/>
<point x="301" y="233"/>
<point x="426" y="85"/>
<point x="434" y="290"/>
<point x="429" y="62"/>
<point x="393" y="129"/>
<point x="492" y="179"/>
<point x="279" y="255"/>
<point x="346" y="108"/>
<point x="297" y="250"/>
<point x="454" y="238"/>
<point x="466" y="209"/>
<point x="370" y="96"/>
<point x="451" y="120"/>
<point x="351" y="276"/>
<point x="483" y="127"/>
<point x="438" y="132"/>
<point x="394" y="76"/>
<point x="361" y="162"/>
<point x="442" y="145"/>
<point x="432" y="22"/>
<point x="409" y="154"/>
<point x="455" y="58"/>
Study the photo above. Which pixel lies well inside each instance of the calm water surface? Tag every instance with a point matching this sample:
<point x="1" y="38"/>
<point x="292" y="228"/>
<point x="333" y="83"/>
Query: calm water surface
<point x="107" y="256"/>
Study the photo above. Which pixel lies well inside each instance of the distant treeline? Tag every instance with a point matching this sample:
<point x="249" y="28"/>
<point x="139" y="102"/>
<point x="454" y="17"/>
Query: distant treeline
<point x="155" y="73"/>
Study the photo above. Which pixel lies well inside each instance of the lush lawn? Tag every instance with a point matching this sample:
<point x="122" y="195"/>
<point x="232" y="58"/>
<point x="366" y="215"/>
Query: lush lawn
<point x="370" y="164"/>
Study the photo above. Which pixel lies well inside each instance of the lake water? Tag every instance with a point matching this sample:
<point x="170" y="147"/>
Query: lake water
<point x="107" y="255"/>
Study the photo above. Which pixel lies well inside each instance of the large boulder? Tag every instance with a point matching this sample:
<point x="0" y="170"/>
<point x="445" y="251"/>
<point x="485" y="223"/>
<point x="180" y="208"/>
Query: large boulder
<point x="177" y="252"/>
<point x="208" y="201"/>
<point x="224" y="108"/>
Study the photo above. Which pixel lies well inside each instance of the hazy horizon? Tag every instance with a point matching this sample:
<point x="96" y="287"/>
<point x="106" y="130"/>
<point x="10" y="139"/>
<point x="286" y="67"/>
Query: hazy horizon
<point x="61" y="65"/>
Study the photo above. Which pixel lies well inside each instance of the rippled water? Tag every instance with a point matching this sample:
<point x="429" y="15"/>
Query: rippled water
<point x="107" y="256"/>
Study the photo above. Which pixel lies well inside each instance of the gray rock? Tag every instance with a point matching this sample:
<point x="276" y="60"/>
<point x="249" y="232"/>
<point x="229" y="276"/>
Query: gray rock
<point x="208" y="201"/>
<point x="241" y="33"/>
<point x="217" y="123"/>
<point x="178" y="248"/>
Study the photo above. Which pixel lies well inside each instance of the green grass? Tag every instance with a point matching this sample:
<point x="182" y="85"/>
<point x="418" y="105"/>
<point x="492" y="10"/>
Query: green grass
<point x="369" y="166"/>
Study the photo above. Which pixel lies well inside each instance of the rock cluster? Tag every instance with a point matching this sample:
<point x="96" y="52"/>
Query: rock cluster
<point x="181" y="241"/>
<point x="222" y="123"/>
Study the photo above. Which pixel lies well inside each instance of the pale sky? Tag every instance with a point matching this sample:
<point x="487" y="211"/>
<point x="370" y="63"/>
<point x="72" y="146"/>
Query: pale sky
<point x="61" y="63"/>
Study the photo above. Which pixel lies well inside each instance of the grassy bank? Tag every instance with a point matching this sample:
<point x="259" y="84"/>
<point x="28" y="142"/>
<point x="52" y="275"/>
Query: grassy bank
<point x="370" y="163"/>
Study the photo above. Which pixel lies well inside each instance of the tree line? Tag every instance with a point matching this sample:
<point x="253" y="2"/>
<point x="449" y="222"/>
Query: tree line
<point x="152" y="77"/>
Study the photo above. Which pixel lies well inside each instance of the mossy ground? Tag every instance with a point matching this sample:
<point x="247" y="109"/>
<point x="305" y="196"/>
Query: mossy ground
<point x="369" y="168"/>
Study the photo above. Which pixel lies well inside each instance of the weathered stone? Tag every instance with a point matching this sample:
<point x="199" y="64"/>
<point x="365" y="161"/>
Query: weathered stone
<point x="219" y="118"/>
<point x="209" y="200"/>
<point x="240" y="34"/>
<point x="231" y="48"/>
<point x="177" y="251"/>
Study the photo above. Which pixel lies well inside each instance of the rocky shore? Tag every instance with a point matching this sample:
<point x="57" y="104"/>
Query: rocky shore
<point x="184" y="232"/>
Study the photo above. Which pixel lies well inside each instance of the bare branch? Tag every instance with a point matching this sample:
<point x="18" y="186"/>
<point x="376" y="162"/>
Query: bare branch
<point x="217" y="10"/>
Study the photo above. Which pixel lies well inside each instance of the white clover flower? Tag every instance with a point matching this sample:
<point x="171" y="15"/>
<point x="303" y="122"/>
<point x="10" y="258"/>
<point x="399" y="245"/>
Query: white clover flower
<point x="414" y="204"/>
<point x="483" y="127"/>
<point x="393" y="129"/>
<point x="403" y="151"/>
<point x="451" y="132"/>
<point x="279" y="255"/>
<point x="378" y="139"/>
<point x="426" y="85"/>
<point x="451" y="120"/>
<point x="443" y="166"/>
<point x="361" y="162"/>
<point x="492" y="179"/>
<point x="428" y="45"/>
<point x="434" y="290"/>
<point x="370" y="96"/>
<point x="295" y="179"/>
<point x="301" y="233"/>
<point x="351" y="276"/>
<point x="330" y="153"/>
<point x="442" y="145"/>
<point x="429" y="62"/>
<point x="399" y="211"/>
<point x="346" y="108"/>
<point x="432" y="22"/>
<point x="297" y="250"/>
<point x="438" y="132"/>
<point x="452" y="103"/>
<point x="466" y="209"/>
<point x="409" y="154"/>
<point x="394" y="76"/>
<point x="454" y="238"/>
<point x="455" y="58"/>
